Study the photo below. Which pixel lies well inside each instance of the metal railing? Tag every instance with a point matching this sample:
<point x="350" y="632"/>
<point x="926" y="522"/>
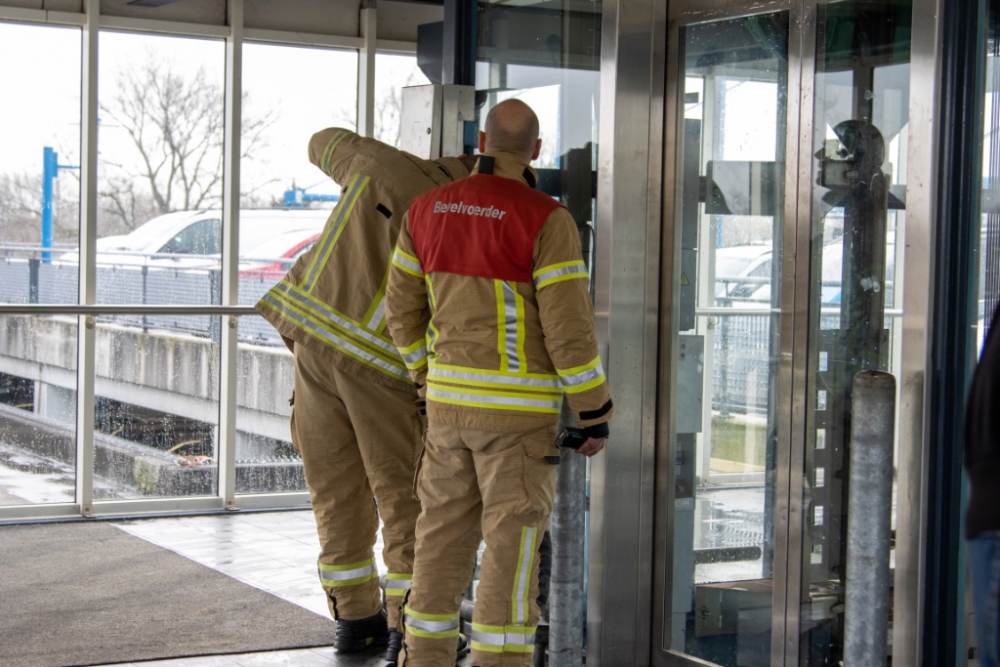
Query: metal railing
<point x="141" y="290"/>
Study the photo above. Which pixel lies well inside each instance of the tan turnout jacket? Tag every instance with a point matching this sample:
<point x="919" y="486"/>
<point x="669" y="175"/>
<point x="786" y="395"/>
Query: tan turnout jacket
<point x="332" y="301"/>
<point x="488" y="301"/>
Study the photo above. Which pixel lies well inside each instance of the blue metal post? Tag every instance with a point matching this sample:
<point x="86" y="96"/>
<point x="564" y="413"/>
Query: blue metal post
<point x="49" y="170"/>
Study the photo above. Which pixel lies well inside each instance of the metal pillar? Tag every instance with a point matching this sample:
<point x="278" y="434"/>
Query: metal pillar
<point x="869" y="531"/>
<point x="50" y="170"/>
<point x="567" y="526"/>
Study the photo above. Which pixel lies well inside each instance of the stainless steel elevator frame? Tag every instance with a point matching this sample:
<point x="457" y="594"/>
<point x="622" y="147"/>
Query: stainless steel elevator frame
<point x="638" y="241"/>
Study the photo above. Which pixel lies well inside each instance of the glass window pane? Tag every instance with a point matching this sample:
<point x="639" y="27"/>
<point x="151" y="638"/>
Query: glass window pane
<point x="156" y="409"/>
<point x="550" y="59"/>
<point x="858" y="228"/>
<point x="160" y="169"/>
<point x="266" y="462"/>
<point x="37" y="409"/>
<point x="735" y="91"/>
<point x="392" y="74"/>
<point x="285" y="199"/>
<point x="39" y="178"/>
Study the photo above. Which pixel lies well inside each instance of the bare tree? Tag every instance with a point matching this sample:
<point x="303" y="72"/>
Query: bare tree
<point x="21" y="209"/>
<point x="175" y="122"/>
<point x="389" y="110"/>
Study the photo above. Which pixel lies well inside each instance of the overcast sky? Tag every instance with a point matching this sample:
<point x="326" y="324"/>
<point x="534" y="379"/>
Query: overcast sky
<point x="305" y="89"/>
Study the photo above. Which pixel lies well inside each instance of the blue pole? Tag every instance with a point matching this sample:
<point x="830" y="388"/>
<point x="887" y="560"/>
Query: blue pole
<point x="49" y="170"/>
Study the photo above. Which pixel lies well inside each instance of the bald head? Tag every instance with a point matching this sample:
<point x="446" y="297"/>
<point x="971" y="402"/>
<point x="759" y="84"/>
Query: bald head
<point x="511" y="127"/>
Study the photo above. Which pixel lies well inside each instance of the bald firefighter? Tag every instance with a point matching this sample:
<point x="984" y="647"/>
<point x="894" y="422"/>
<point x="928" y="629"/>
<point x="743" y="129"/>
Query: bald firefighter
<point x="488" y="299"/>
<point x="355" y="417"/>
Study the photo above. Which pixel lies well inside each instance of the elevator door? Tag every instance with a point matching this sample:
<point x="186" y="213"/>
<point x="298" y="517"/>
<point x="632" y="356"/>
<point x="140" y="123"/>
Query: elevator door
<point x="783" y="223"/>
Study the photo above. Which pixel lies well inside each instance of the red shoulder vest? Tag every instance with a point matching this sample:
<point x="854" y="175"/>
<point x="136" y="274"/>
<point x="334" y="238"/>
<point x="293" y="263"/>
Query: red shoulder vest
<point x="483" y="226"/>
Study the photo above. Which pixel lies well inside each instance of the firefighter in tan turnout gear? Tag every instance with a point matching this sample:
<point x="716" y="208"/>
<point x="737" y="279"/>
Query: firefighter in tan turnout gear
<point x="355" y="418"/>
<point x="488" y="302"/>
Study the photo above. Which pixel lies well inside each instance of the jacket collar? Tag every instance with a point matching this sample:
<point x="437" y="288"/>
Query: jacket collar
<point x="506" y="165"/>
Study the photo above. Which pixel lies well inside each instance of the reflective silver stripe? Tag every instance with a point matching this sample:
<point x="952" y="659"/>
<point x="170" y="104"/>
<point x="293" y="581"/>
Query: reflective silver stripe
<point x="520" y="639"/>
<point x="490" y="399"/>
<point x="414" y="357"/>
<point x="335" y="339"/>
<point x="343" y="208"/>
<point x="584" y="377"/>
<point x="397" y="584"/>
<point x="580" y="269"/>
<point x="490" y="638"/>
<point x="347" y="575"/>
<point x="397" y="256"/>
<point x="431" y="626"/>
<point x="510" y="325"/>
<point x="378" y="314"/>
<point x="523" y="574"/>
<point x="334" y="317"/>
<point x="493" y="378"/>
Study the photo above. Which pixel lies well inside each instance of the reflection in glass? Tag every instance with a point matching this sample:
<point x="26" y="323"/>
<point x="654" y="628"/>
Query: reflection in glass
<point x="731" y="192"/>
<point x="39" y="180"/>
<point x="550" y="59"/>
<point x="265" y="377"/>
<point x="157" y="407"/>
<point x="860" y="117"/>
<point x="160" y="169"/>
<point x="392" y="74"/>
<point x="37" y="409"/>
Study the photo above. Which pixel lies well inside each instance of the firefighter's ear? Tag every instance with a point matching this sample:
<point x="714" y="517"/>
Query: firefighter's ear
<point x="482" y="142"/>
<point x="537" y="151"/>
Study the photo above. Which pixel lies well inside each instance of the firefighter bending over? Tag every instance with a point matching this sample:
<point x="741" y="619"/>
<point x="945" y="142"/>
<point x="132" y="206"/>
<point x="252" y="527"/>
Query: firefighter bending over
<point x="488" y="301"/>
<point x="355" y="417"/>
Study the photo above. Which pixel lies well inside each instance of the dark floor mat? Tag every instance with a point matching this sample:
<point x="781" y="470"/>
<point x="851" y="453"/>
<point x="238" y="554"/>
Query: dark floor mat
<point x="89" y="594"/>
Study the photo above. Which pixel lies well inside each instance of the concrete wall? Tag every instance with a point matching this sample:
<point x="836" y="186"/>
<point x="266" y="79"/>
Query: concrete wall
<point x="172" y="373"/>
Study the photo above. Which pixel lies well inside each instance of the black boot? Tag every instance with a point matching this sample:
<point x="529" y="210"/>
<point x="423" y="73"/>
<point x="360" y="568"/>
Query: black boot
<point x="463" y="647"/>
<point x="354" y="636"/>
<point x="394" y="647"/>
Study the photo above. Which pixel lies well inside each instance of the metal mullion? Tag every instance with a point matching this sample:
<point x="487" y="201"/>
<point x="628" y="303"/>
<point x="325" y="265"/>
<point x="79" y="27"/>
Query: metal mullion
<point x="918" y="311"/>
<point x="29" y="513"/>
<point x="794" y="339"/>
<point x="153" y="506"/>
<point x="86" y="330"/>
<point x="366" y="71"/>
<point x="670" y="209"/>
<point x="230" y="257"/>
<point x="800" y="231"/>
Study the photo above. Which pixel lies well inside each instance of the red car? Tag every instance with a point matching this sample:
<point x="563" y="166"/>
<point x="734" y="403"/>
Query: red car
<point x="272" y="259"/>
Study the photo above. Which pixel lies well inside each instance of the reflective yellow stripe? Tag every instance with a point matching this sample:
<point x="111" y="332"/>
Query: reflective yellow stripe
<point x="510" y="326"/>
<point x="549" y="384"/>
<point x="317" y="329"/>
<point x="374" y="318"/>
<point x="520" y="606"/>
<point x="333" y="230"/>
<point x="582" y="378"/>
<point x="493" y="400"/>
<point x="334" y="318"/>
<point x="414" y="356"/>
<point x="324" y="163"/>
<point x="499" y="639"/>
<point x="408" y="263"/>
<point x="430" y="626"/>
<point x="432" y="331"/>
<point x="397" y="584"/>
<point x="347" y="575"/>
<point x="554" y="273"/>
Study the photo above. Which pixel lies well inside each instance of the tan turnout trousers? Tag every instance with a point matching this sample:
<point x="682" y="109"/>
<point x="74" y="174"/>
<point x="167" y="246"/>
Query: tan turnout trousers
<point x="360" y="442"/>
<point x="498" y="486"/>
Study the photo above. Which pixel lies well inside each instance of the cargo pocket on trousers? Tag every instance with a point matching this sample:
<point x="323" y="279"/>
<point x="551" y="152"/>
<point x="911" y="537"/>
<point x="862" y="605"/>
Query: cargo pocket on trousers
<point x="416" y="475"/>
<point x="541" y="460"/>
<point x="291" y="425"/>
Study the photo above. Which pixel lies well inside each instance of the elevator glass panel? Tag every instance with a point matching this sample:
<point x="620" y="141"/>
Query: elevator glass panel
<point x="731" y="191"/>
<point x="857" y="213"/>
